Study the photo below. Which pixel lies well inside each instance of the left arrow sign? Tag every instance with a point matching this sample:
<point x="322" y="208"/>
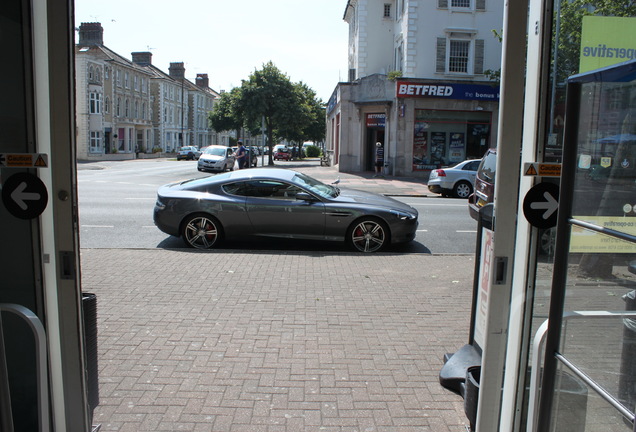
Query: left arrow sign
<point x="24" y="195"/>
<point x="19" y="196"/>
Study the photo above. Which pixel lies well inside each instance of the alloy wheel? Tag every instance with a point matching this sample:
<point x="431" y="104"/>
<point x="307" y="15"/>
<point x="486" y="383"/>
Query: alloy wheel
<point x="368" y="236"/>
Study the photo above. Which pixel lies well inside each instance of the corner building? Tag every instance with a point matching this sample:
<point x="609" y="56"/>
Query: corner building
<point x="419" y="82"/>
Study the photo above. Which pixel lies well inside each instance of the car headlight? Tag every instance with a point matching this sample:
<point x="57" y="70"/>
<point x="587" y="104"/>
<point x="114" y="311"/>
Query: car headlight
<point x="159" y="205"/>
<point x="402" y="215"/>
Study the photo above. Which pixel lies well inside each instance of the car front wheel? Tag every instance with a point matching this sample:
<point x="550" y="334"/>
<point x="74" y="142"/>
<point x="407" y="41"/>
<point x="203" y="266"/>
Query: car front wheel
<point x="368" y="235"/>
<point x="201" y="232"/>
<point x="462" y="190"/>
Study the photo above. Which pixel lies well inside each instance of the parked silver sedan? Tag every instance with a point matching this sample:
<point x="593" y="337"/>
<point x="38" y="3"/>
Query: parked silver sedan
<point x="280" y="203"/>
<point x="458" y="180"/>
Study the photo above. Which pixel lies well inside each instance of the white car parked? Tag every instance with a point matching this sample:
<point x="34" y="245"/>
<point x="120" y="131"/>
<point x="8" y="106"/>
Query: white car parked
<point x="457" y="181"/>
<point x="216" y="158"/>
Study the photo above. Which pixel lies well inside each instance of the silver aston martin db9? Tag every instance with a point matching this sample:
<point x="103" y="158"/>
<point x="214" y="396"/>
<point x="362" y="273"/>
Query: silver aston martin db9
<point x="280" y="203"/>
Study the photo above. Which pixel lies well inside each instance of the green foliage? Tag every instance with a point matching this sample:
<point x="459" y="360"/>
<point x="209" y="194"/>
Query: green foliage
<point x="290" y="110"/>
<point x="312" y="151"/>
<point x="492" y="74"/>
<point x="227" y="114"/>
<point x="570" y="24"/>
<point x="393" y="75"/>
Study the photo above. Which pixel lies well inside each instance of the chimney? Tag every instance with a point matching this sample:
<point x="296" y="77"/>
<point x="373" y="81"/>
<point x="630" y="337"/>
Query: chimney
<point x="202" y="81"/>
<point x="142" y="58"/>
<point x="176" y="70"/>
<point x="91" y="34"/>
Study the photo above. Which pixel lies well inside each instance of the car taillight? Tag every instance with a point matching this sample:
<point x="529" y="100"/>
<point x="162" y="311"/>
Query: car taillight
<point x="441" y="173"/>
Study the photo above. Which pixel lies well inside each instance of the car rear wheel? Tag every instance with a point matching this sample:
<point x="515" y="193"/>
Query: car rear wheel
<point x="368" y="235"/>
<point x="201" y="231"/>
<point x="462" y="189"/>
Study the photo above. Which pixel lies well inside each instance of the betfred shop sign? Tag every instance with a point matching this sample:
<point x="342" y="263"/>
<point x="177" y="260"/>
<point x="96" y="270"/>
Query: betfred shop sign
<point x="447" y="91"/>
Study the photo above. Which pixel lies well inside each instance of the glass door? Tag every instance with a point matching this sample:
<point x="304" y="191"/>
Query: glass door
<point x="589" y="375"/>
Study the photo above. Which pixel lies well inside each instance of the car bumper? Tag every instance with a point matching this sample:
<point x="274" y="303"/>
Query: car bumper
<point x="435" y="189"/>
<point x="404" y="232"/>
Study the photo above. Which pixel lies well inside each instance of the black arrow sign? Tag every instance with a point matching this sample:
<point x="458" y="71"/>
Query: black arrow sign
<point x="24" y="195"/>
<point x="541" y="204"/>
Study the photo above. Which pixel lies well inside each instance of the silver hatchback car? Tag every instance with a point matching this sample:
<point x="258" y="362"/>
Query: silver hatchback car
<point x="216" y="158"/>
<point x="457" y="181"/>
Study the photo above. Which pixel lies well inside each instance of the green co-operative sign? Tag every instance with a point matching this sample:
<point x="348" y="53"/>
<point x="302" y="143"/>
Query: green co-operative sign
<point x="606" y="41"/>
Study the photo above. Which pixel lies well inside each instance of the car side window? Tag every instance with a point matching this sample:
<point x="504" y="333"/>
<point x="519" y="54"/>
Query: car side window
<point x="472" y="166"/>
<point x="239" y="188"/>
<point x="272" y="189"/>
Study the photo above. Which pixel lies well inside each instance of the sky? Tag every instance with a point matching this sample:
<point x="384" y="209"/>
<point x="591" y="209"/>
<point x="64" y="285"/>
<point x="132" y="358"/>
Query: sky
<point x="228" y="40"/>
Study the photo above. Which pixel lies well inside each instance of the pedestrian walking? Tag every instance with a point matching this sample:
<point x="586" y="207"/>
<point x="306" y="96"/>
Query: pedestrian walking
<point x="379" y="159"/>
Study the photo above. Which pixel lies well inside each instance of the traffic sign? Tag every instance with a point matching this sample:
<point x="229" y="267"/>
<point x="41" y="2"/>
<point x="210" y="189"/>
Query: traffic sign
<point x="542" y="169"/>
<point x="24" y="195"/>
<point x="541" y="204"/>
<point x="24" y="160"/>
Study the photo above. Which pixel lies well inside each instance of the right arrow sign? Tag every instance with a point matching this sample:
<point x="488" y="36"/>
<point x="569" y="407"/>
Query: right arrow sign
<point x="541" y="204"/>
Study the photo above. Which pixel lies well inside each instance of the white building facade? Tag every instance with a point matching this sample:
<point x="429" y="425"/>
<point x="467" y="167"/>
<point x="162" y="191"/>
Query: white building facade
<point x="127" y="109"/>
<point x="112" y="99"/>
<point x="419" y="83"/>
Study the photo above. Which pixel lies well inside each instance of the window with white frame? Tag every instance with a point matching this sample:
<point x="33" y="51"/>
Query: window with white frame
<point x="118" y="77"/>
<point x="107" y="73"/>
<point x="127" y="109"/>
<point x="126" y="80"/>
<point x="95" y="103"/>
<point x="458" y="56"/>
<point x="461" y="4"/>
<point x="143" y="110"/>
<point x="460" y="53"/>
<point x="387" y="10"/>
<point x="90" y="73"/>
<point x="136" y="82"/>
<point x="136" y="109"/>
<point x="118" y="107"/>
<point x="95" y="141"/>
<point x="107" y="105"/>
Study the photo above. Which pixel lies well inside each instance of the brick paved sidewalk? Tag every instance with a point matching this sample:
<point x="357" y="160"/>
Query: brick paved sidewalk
<point x="277" y="341"/>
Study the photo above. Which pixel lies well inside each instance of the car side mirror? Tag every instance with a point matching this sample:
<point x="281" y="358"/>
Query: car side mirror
<point x="304" y="196"/>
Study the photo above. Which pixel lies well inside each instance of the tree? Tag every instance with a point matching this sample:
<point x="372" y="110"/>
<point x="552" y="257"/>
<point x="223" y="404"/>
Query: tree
<point x="309" y="122"/>
<point x="290" y="111"/>
<point x="227" y="114"/>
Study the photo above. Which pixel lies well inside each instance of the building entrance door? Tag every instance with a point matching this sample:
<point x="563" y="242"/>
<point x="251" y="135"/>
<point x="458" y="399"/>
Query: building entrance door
<point x="589" y="371"/>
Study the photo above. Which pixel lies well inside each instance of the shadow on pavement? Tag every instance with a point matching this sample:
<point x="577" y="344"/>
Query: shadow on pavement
<point x="287" y="245"/>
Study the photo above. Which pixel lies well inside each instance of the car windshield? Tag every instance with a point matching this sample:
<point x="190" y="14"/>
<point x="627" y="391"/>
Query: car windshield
<point x="216" y="151"/>
<point x="315" y="186"/>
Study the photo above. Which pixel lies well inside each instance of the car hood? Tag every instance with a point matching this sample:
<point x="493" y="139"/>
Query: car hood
<point x="211" y="157"/>
<point x="370" y="198"/>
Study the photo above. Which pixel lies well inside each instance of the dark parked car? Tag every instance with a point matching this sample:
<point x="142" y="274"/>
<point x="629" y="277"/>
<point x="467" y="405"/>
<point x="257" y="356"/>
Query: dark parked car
<point x="273" y="202"/>
<point x="485" y="193"/>
<point x="484" y="184"/>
